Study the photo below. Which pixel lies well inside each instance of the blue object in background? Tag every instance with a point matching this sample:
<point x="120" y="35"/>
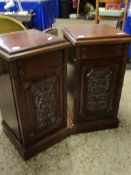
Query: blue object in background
<point x="56" y="8"/>
<point x="45" y="12"/>
<point x="127" y="26"/>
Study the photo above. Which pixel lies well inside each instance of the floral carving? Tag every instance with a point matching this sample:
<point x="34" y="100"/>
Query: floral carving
<point x="44" y="97"/>
<point x="98" y="87"/>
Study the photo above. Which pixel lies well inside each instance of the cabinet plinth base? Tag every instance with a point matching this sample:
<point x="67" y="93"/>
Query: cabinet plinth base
<point x="92" y="125"/>
<point x="72" y="128"/>
<point x="41" y="145"/>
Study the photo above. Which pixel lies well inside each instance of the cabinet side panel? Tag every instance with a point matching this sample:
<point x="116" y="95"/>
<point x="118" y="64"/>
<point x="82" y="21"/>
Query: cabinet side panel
<point x="7" y="104"/>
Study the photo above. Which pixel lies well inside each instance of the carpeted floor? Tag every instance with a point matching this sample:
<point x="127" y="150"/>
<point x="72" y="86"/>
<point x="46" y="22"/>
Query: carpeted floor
<point x="98" y="153"/>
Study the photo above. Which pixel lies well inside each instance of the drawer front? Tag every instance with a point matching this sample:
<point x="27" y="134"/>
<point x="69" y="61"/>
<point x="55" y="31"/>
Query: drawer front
<point x="91" y="52"/>
<point x="35" y="66"/>
<point x="42" y="85"/>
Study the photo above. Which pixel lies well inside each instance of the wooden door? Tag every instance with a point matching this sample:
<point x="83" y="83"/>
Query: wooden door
<point x="98" y="89"/>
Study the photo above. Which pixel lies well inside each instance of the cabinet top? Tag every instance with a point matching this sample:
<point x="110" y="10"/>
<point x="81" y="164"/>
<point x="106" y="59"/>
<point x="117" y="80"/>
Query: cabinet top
<point x="17" y="44"/>
<point x="94" y="34"/>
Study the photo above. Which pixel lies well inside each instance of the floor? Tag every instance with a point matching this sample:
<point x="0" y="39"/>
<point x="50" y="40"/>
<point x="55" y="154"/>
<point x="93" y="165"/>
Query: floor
<point x="97" y="153"/>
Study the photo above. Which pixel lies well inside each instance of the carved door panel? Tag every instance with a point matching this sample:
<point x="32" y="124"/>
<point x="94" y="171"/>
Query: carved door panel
<point x="43" y="90"/>
<point x="98" y="90"/>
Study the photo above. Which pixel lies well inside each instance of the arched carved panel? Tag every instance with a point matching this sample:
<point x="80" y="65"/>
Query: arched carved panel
<point x="98" y="90"/>
<point x="44" y="99"/>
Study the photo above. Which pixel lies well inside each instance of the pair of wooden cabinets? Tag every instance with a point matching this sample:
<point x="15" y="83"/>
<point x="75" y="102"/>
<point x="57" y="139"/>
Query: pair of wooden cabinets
<point x="37" y="83"/>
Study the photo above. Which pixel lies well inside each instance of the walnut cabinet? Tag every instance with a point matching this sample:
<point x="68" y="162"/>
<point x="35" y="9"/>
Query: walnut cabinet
<point x="33" y="77"/>
<point x="95" y="68"/>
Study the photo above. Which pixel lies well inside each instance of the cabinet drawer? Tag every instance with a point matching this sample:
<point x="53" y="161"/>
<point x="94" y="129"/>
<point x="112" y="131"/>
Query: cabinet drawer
<point x="89" y="52"/>
<point x="40" y="64"/>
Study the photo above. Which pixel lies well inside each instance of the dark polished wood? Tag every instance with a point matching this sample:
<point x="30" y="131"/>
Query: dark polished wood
<point x="33" y="90"/>
<point x="95" y="73"/>
<point x="16" y="42"/>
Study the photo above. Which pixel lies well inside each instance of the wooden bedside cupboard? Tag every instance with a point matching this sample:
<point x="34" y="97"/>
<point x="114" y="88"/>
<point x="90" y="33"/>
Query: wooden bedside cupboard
<point x="33" y="79"/>
<point x="95" y="75"/>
